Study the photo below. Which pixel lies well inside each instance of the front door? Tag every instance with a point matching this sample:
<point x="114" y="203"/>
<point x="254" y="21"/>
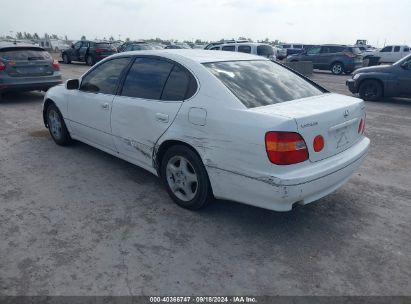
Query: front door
<point x="83" y="50"/>
<point x="89" y="108"/>
<point x="404" y="77"/>
<point x="151" y="97"/>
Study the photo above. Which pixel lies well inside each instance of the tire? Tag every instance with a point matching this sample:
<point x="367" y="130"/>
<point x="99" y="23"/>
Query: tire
<point x="66" y="59"/>
<point x="337" y="68"/>
<point x="371" y="90"/>
<point x="185" y="178"/>
<point x="90" y="60"/>
<point x="57" y="127"/>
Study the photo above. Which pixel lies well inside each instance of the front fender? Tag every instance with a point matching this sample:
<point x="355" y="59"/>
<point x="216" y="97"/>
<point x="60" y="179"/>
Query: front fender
<point x="58" y="96"/>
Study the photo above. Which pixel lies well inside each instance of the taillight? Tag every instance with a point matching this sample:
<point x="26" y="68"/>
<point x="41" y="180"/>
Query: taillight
<point x="285" y="148"/>
<point x="349" y="54"/>
<point x="361" y="127"/>
<point x="56" y="64"/>
<point x="318" y="143"/>
<point x="2" y="66"/>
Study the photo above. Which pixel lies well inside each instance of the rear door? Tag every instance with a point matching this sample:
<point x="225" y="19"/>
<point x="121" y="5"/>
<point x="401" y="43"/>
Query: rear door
<point x="151" y="96"/>
<point x="27" y="61"/>
<point x="89" y="107"/>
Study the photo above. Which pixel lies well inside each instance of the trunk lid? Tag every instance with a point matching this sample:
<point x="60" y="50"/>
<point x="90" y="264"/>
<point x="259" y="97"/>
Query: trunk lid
<point x="335" y="117"/>
<point x="30" y="61"/>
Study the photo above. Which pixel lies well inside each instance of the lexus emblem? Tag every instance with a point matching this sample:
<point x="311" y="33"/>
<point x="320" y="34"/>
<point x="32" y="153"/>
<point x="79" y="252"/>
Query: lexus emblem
<point x="346" y="113"/>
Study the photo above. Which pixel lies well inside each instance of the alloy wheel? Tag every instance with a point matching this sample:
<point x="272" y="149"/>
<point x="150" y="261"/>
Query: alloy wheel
<point x="182" y="178"/>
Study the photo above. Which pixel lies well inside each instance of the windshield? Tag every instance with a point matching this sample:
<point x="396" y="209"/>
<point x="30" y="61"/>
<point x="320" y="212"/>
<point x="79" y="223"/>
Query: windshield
<point x="24" y="54"/>
<point x="260" y="83"/>
<point x="402" y="60"/>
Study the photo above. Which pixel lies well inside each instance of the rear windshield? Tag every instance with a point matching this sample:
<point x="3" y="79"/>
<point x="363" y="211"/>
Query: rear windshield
<point x="24" y="54"/>
<point x="261" y="83"/>
<point x="104" y="45"/>
<point x="265" y="50"/>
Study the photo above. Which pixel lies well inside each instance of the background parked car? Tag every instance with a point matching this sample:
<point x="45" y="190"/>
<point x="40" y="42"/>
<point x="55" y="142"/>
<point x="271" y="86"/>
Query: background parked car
<point x="138" y="47"/>
<point x="213" y="44"/>
<point x="390" y="53"/>
<point x="290" y="49"/>
<point x="27" y="67"/>
<point x="336" y="58"/>
<point x="373" y="83"/>
<point x="89" y="52"/>
<point x="260" y="49"/>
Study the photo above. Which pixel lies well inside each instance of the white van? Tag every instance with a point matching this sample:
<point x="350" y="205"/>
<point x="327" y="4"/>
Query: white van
<point x="260" y="49"/>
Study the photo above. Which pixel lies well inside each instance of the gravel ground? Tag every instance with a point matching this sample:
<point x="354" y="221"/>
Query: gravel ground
<point x="76" y="221"/>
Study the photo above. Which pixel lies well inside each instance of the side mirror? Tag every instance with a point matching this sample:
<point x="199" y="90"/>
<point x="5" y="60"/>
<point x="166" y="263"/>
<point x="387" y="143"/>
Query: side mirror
<point x="72" y="84"/>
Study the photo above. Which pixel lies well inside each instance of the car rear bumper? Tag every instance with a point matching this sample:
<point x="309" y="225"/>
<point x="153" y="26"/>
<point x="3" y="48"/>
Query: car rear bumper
<point x="282" y="193"/>
<point x="29" y="83"/>
<point x="352" y="86"/>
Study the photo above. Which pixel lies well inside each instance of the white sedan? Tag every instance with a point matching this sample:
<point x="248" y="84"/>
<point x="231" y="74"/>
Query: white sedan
<point x="214" y="125"/>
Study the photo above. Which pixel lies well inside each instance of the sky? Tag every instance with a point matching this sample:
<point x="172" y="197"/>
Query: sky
<point x="300" y="21"/>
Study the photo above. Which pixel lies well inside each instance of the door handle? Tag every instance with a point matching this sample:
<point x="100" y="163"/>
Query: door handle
<point x="105" y="106"/>
<point x="162" y="117"/>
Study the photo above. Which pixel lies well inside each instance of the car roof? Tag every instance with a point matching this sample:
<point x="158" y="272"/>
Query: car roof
<point x="7" y="44"/>
<point x="196" y="55"/>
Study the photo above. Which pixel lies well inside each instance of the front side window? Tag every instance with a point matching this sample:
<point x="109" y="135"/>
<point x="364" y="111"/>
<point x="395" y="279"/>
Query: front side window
<point x="314" y="51"/>
<point x="397" y="49"/>
<point x="216" y="48"/>
<point x="104" y="78"/>
<point x="406" y="49"/>
<point x="244" y="49"/>
<point x="146" y="78"/>
<point x="77" y="45"/>
<point x="387" y="49"/>
<point x="259" y="83"/>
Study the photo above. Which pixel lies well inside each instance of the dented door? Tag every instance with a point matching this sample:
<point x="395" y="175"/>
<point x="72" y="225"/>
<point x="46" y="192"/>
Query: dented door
<point x="138" y="123"/>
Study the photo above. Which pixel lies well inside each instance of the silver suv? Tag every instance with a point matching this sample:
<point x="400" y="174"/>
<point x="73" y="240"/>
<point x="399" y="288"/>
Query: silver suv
<point x="259" y="49"/>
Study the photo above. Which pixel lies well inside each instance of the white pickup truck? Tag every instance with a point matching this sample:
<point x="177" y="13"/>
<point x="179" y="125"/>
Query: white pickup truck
<point x="390" y="53"/>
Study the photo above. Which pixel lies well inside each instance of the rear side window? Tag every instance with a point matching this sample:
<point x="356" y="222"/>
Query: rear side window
<point x="177" y="85"/>
<point x="406" y="49"/>
<point x="244" y="49"/>
<point x="335" y="49"/>
<point x="216" y="48"/>
<point x="104" y="78"/>
<point x="260" y="83"/>
<point x="146" y="78"/>
<point x="397" y="49"/>
<point x="230" y="48"/>
<point x="265" y="50"/>
<point x="24" y="54"/>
